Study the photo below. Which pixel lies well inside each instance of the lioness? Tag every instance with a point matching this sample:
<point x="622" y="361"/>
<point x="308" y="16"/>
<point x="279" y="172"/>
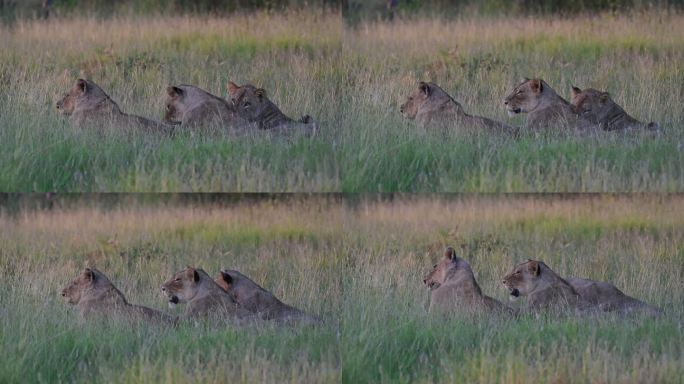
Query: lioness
<point x="87" y="104"/>
<point x="429" y="104"/>
<point x="610" y="299"/>
<point x="253" y="105"/>
<point x="543" y="287"/>
<point x="194" y="108"/>
<point x="454" y="289"/>
<point x="258" y="300"/>
<point x="202" y="296"/>
<point x="599" y="108"/>
<point x="544" y="107"/>
<point x="94" y="295"/>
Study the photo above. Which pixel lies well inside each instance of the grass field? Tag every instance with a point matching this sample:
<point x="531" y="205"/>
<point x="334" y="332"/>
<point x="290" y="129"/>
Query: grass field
<point x="358" y="264"/>
<point x="352" y="81"/>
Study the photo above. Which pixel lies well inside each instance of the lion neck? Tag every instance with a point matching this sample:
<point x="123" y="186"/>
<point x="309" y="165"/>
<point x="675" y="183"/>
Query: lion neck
<point x="97" y="100"/>
<point x="463" y="278"/>
<point x="616" y="118"/>
<point x="103" y="294"/>
<point x="271" y="116"/>
<point x="196" y="96"/>
<point x="206" y="287"/>
<point x="549" y="280"/>
<point x="549" y="99"/>
<point x="441" y="111"/>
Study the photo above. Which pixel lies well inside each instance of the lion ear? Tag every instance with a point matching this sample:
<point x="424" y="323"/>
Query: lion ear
<point x="450" y="253"/>
<point x="604" y="97"/>
<point x="575" y="91"/>
<point x="536" y="85"/>
<point x="89" y="274"/>
<point x="193" y="274"/>
<point x="260" y="93"/>
<point x="232" y="88"/>
<point x="425" y="88"/>
<point x="226" y="277"/>
<point x="82" y="85"/>
<point x="533" y="267"/>
<point x="174" y="92"/>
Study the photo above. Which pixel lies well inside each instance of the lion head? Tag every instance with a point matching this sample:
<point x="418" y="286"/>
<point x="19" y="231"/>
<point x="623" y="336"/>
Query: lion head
<point x="90" y="284"/>
<point x="415" y="100"/>
<point x="428" y="101"/>
<point x="523" y="279"/>
<point x="82" y="283"/>
<point x="525" y="97"/>
<point x="183" y="286"/>
<point x="250" y="102"/>
<point x="84" y="95"/>
<point x="448" y="267"/>
<point x="592" y="104"/>
<point x="175" y="104"/>
<point x="244" y="291"/>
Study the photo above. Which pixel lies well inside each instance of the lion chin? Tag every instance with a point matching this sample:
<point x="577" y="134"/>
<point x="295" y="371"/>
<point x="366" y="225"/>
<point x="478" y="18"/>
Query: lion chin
<point x="433" y="285"/>
<point x="173" y="301"/>
<point x="514" y="294"/>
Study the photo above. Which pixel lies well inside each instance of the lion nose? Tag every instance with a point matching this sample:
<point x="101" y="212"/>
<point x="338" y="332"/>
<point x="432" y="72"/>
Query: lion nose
<point x="63" y="293"/>
<point x="503" y="281"/>
<point x="505" y="102"/>
<point x="163" y="288"/>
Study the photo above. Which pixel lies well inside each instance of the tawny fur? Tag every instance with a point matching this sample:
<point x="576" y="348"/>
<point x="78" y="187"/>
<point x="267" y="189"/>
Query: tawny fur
<point x="87" y="105"/>
<point x="544" y="107"/>
<point x="202" y="296"/>
<point x="609" y="298"/>
<point x="196" y="109"/>
<point x="430" y="105"/>
<point x="259" y="301"/>
<point x="543" y="288"/>
<point x="96" y="297"/>
<point x="600" y="109"/>
<point x="253" y="105"/>
<point x="454" y="289"/>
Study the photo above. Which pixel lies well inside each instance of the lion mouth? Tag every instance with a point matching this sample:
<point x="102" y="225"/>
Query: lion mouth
<point x="514" y="111"/>
<point x="173" y="299"/>
<point x="433" y="285"/>
<point x="514" y="292"/>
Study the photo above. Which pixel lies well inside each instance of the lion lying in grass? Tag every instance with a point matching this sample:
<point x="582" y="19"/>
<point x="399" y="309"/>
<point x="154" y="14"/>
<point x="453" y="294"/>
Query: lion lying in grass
<point x="453" y="289"/>
<point x="95" y="296"/>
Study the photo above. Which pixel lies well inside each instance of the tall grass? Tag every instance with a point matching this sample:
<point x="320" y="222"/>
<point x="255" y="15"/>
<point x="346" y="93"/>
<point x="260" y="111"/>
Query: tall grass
<point x="351" y="81"/>
<point x="358" y="264"/>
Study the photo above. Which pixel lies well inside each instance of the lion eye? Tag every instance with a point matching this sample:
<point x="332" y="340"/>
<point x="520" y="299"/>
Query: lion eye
<point x="178" y="279"/>
<point x="247" y="104"/>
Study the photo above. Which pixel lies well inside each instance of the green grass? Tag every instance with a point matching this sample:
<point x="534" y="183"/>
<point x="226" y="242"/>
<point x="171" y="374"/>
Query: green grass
<point x="351" y="81"/>
<point x="359" y="265"/>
